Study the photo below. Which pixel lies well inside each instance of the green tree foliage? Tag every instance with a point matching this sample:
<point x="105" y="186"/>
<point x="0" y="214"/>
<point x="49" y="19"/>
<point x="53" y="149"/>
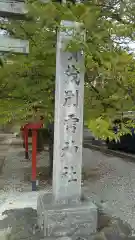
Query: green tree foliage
<point x="109" y="67"/>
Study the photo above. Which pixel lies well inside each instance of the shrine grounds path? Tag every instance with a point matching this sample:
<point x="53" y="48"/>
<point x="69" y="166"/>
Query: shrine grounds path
<point x="106" y="178"/>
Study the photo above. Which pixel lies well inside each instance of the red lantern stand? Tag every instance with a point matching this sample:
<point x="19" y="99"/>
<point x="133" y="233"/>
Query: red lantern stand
<point x="25" y="129"/>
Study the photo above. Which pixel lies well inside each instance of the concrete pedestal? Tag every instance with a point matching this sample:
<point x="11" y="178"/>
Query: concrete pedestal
<point x="74" y="219"/>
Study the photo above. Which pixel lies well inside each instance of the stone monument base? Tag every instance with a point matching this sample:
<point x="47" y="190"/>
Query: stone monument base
<point x="74" y="219"/>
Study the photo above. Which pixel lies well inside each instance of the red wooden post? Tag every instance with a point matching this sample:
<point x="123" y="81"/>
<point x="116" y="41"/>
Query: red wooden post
<point x="26" y="143"/>
<point x="34" y="153"/>
<point x="34" y="127"/>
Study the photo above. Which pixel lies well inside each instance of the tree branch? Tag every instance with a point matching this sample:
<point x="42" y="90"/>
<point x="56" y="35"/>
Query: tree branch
<point x="99" y="97"/>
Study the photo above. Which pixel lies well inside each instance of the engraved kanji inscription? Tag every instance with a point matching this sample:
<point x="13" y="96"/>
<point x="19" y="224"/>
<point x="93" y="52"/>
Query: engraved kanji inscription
<point x="71" y="98"/>
<point x="69" y="173"/>
<point x="74" y="56"/>
<point x="71" y="123"/>
<point x="69" y="146"/>
<point x="73" y="74"/>
<point x="69" y="95"/>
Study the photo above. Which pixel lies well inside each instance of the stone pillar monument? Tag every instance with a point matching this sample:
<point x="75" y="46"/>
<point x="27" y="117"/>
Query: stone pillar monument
<point x="62" y="213"/>
<point x="68" y="118"/>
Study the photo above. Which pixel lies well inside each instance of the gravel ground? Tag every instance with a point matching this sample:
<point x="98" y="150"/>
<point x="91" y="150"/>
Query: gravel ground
<point x="114" y="184"/>
<point x="18" y="215"/>
<point x="108" y="179"/>
<point x="16" y="169"/>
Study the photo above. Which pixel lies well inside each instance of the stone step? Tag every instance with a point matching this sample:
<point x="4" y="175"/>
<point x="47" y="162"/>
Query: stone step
<point x="4" y="146"/>
<point x="2" y="138"/>
<point x="19" y="141"/>
<point x="5" y="139"/>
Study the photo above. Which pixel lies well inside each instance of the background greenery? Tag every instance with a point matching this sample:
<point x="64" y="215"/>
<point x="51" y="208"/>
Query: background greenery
<point x="109" y="67"/>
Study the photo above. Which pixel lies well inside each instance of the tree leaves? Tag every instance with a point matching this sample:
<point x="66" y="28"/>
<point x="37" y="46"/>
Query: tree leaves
<point x="110" y="70"/>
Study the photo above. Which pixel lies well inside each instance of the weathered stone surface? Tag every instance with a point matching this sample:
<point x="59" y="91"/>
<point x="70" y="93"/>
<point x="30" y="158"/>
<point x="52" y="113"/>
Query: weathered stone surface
<point x="113" y="233"/>
<point x="79" y="219"/>
<point x="111" y="228"/>
<point x="23" y="225"/>
<point x="5" y="234"/>
<point x="110" y="234"/>
<point x="103" y="220"/>
<point x="124" y="227"/>
<point x="68" y="129"/>
<point x="116" y="227"/>
<point x="99" y="236"/>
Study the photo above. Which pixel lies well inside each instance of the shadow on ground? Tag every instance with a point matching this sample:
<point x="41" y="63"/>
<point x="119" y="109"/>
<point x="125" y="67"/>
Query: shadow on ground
<point x="20" y="224"/>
